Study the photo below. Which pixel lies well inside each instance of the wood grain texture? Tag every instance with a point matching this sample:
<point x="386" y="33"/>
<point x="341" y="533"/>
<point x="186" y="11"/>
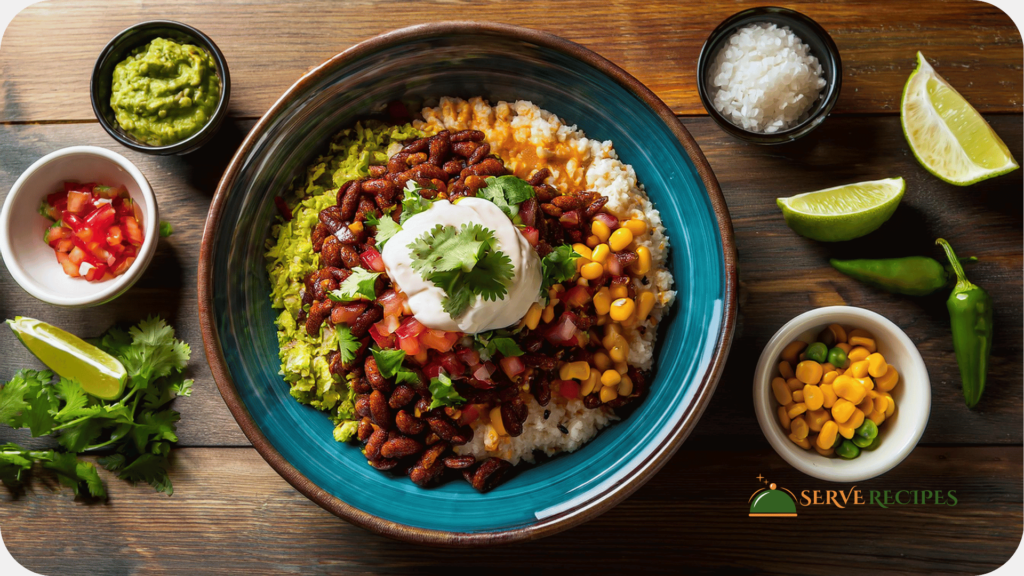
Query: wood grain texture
<point x="269" y="44"/>
<point x="232" y="513"/>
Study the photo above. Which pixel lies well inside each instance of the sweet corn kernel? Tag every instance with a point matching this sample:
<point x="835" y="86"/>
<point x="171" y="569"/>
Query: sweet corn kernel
<point x="844" y="347"/>
<point x="619" y="291"/>
<point x="799" y="427"/>
<point x="826" y="368"/>
<point x="798" y="395"/>
<point x="792" y="350"/>
<point x="643" y="262"/>
<point x="867" y="405"/>
<point x="817" y="418"/>
<point x="801" y="442"/>
<point x="828" y="396"/>
<point x="797" y="409"/>
<point x="592" y="271"/>
<point x="610" y="378"/>
<point x="625" y="386"/>
<point x="600" y="253"/>
<point x="601" y="361"/>
<point x="602" y="300"/>
<point x="842" y="410"/>
<point x="878" y="416"/>
<point x="591" y="383"/>
<point x="784" y="418"/>
<point x="859" y="333"/>
<point x="828" y="452"/>
<point x="876" y="365"/>
<point x="619" y="352"/>
<point x="856" y="419"/>
<point x="888" y="381"/>
<point x="635" y="225"/>
<point x="786" y="370"/>
<point x="592" y="241"/>
<point x="574" y="370"/>
<point x="794" y="384"/>
<point x="601" y="230"/>
<point x="620" y="239"/>
<point x="829" y="377"/>
<point x="813" y="397"/>
<point x="890" y="408"/>
<point x="644" y="305"/>
<point x="859" y="369"/>
<point x="583" y="251"/>
<point x="827" y="437"/>
<point x="849" y="388"/>
<point x="533" y="316"/>
<point x="496" y="423"/>
<point x="808" y="372"/>
<point x="356" y="227"/>
<point x="549" y="313"/>
<point x="845" y="430"/>
<point x="608" y="393"/>
<point x="622" y="309"/>
<point x="621" y="367"/>
<point x="838" y="333"/>
<point x="857" y="354"/>
<point x="602" y="319"/>
<point x="867" y="383"/>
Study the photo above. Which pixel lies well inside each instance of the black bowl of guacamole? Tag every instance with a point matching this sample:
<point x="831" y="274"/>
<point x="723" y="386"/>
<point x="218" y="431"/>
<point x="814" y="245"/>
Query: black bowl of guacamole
<point x="161" y="87"/>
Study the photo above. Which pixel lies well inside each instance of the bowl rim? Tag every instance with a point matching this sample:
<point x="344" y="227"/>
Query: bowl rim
<point x="799" y="458"/>
<point x="540" y="528"/>
<point x="194" y="141"/>
<point x="116" y="286"/>
<point x="832" y="88"/>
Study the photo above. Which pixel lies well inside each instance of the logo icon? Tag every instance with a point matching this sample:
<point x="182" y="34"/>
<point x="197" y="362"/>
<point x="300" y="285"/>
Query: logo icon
<point x="771" y="502"/>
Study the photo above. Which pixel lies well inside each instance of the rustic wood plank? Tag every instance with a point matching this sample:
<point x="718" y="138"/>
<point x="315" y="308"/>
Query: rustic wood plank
<point x="269" y="44"/>
<point x="984" y="220"/>
<point x="231" y="513"/>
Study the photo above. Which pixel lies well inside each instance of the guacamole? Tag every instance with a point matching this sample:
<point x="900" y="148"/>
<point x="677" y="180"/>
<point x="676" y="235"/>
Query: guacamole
<point x="165" y="92"/>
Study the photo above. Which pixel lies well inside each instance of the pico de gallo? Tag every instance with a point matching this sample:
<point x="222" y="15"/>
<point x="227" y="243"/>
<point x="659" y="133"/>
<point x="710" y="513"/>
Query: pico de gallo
<point x="95" y="233"/>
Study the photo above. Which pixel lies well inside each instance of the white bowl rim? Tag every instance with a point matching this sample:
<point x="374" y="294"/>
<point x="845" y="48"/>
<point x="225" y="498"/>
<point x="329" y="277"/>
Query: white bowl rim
<point x="117" y="285"/>
<point x="802" y="459"/>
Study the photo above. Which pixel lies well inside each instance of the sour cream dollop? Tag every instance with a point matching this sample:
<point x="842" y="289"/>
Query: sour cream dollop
<point x="425" y="298"/>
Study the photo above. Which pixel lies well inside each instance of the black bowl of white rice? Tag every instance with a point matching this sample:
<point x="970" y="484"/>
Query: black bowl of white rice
<point x="769" y="75"/>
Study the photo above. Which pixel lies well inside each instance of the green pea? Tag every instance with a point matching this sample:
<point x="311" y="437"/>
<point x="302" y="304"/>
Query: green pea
<point x="837" y="357"/>
<point x="861" y="441"/>
<point x="874" y="444"/>
<point x="817" y="352"/>
<point x="848" y="450"/>
<point x="867" y="430"/>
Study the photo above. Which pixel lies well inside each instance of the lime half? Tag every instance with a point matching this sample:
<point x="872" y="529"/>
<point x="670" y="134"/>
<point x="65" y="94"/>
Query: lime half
<point x="844" y="212"/>
<point x="947" y="135"/>
<point x="99" y="373"/>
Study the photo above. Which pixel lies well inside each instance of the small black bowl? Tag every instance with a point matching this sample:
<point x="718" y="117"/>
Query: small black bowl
<point x="120" y="47"/>
<point x="812" y="34"/>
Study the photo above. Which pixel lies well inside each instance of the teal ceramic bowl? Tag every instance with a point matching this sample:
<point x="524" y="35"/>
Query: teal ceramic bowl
<point x="501" y="63"/>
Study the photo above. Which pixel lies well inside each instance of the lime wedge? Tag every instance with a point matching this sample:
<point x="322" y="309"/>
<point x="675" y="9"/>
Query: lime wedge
<point x="99" y="373"/>
<point x="947" y="135"/>
<point x="844" y="212"/>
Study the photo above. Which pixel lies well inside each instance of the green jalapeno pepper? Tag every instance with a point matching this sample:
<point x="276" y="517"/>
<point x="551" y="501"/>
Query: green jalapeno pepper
<point x="970" y="314"/>
<point x="913" y="275"/>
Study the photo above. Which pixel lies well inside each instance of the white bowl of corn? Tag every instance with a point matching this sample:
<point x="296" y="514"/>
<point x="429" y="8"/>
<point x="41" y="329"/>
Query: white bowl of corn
<point x="842" y="394"/>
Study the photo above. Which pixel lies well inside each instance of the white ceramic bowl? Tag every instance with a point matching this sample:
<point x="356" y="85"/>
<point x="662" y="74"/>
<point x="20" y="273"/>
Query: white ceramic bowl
<point x="899" y="433"/>
<point x="32" y="262"/>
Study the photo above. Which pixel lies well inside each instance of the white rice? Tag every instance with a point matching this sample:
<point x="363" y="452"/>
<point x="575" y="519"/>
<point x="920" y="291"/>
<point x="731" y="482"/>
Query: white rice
<point x="597" y="169"/>
<point x="766" y="77"/>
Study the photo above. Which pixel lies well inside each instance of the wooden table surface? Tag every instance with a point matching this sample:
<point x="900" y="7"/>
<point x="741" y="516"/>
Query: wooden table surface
<point x="231" y="512"/>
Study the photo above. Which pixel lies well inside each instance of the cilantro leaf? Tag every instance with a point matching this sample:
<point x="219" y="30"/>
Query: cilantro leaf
<point x="388" y="361"/>
<point x="74" y="396"/>
<point x="406" y="376"/>
<point x="506" y="192"/>
<point x="445" y="248"/>
<point x="73" y="473"/>
<point x="487" y="344"/>
<point x="507" y="347"/>
<point x="386" y="227"/>
<point x="28" y="401"/>
<point x="360" y="285"/>
<point x="166" y="229"/>
<point x="15" y="460"/>
<point x="149" y="468"/>
<point x="442" y="392"/>
<point x="412" y="202"/>
<point x="558" y="266"/>
<point x="347" y="343"/>
<point x="491" y="276"/>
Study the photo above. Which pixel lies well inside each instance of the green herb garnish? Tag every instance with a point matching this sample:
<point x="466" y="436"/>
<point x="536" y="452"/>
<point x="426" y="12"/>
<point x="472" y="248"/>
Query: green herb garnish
<point x="506" y="192"/>
<point x="360" y="285"/>
<point x="412" y="202"/>
<point x="386" y="227"/>
<point x="442" y="392"/>
<point x="348" y="344"/>
<point x="389" y="362"/>
<point x="495" y="341"/>
<point x="557" y="267"/>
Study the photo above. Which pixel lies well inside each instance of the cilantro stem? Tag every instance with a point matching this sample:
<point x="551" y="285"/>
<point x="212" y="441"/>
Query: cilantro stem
<point x="95" y="446"/>
<point x="72" y="423"/>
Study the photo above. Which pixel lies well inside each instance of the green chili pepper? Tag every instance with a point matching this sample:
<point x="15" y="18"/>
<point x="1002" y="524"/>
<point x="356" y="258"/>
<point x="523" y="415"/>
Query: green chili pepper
<point x="970" y="314"/>
<point x="913" y="275"/>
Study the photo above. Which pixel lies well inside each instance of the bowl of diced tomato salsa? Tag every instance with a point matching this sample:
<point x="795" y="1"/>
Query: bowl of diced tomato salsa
<point x="79" y="227"/>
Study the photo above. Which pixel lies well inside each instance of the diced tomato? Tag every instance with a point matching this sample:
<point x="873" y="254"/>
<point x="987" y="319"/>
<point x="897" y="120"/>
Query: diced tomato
<point x="55" y="234"/>
<point x="387" y="326"/>
<point x="532" y="235"/>
<point x="131" y="231"/>
<point x="124" y="207"/>
<point x="101" y="218"/>
<point x="392" y="303"/>
<point x="469" y="356"/>
<point x="451" y="363"/>
<point x="57" y="198"/>
<point x="372" y="260"/>
<point x="72" y="221"/>
<point x="439" y="339"/>
<point x="65" y="245"/>
<point x="469" y="414"/>
<point x="577" y="297"/>
<point x="114" y="235"/>
<point x="121" y="265"/>
<point x="563" y="333"/>
<point x="569" y="389"/>
<point x="380" y="339"/>
<point x="77" y="256"/>
<point x="422" y="356"/>
<point x="512" y="366"/>
<point x="76" y="187"/>
<point x="96" y="273"/>
<point x="528" y="212"/>
<point x="432" y="370"/>
<point x="409" y="344"/>
<point x="77" y="201"/>
<point x="109" y="192"/>
<point x="131" y="250"/>
<point x="98" y="251"/>
<point x="347" y="313"/>
<point x="70" y="268"/>
<point x="410" y="328"/>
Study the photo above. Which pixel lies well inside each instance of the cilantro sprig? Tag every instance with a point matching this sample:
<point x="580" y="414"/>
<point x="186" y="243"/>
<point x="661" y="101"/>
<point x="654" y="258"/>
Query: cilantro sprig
<point x="138" y="427"/>
<point x="442" y="392"/>
<point x="389" y="362"/>
<point x="557" y="267"/>
<point x="413" y="203"/>
<point x="360" y="285"/>
<point x="487" y="344"/>
<point x="506" y="192"/>
<point x="464" y="263"/>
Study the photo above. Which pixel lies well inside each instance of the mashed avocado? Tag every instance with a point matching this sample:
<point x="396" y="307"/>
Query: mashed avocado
<point x="290" y="258"/>
<point x="165" y="92"/>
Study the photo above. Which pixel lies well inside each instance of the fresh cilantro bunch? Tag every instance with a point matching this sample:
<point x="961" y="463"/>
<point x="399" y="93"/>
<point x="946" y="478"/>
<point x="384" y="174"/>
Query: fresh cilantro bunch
<point x="507" y="193"/>
<point x="464" y="263"/>
<point x="137" y="427"/>
<point x="557" y="267"/>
